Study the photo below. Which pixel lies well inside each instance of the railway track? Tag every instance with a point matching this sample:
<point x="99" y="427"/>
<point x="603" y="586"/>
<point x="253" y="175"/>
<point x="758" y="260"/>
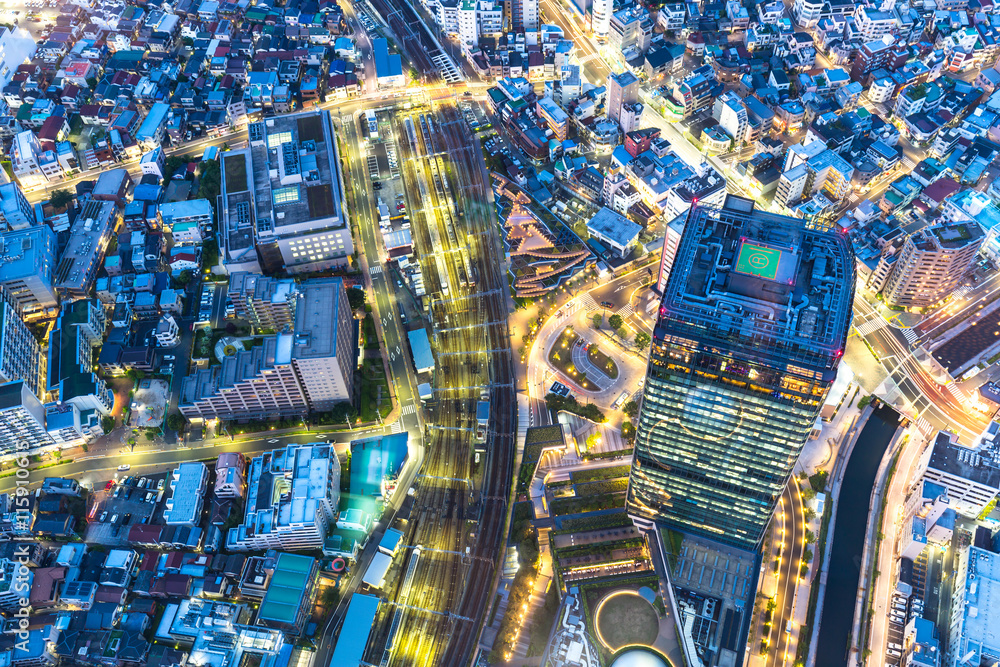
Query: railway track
<point x="459" y="529"/>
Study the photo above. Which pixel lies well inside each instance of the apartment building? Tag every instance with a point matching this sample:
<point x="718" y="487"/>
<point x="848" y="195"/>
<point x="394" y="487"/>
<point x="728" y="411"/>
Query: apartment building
<point x="792" y="185"/>
<point x="555" y="118"/>
<point x="807" y="13"/>
<point x="291" y="374"/>
<point x="32" y="166"/>
<point x="630" y="27"/>
<point x="15" y="211"/>
<point x="230" y="475"/>
<point x="830" y="173"/>
<point x="732" y="116"/>
<point x="932" y="263"/>
<point x="254" y="384"/>
<point x="27" y="260"/>
<point x="84" y="252"/>
<point x="324" y="353"/>
<point x="22" y="418"/>
<point x="188" y="484"/>
<point x="873" y="24"/>
<point x="601" y="11"/>
<point x="266" y="302"/>
<point x="970" y="475"/>
<point x="292" y="499"/>
<point x="623" y="89"/>
<point x="77" y="333"/>
<point x="698" y="90"/>
<point x="524" y="15"/>
<point x="20" y="355"/>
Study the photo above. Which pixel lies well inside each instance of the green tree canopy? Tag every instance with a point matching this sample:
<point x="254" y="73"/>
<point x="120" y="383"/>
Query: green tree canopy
<point x="642" y="340"/>
<point x="175" y="422"/>
<point x="616" y="321"/>
<point x="61" y="198"/>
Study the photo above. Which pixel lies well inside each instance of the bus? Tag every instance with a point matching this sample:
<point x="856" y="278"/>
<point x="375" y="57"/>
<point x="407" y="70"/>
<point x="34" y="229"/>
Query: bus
<point x="620" y="401"/>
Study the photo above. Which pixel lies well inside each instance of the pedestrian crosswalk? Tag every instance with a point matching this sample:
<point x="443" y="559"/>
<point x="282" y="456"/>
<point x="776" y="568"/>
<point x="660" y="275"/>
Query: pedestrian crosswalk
<point x="871" y="326"/>
<point x="397" y="427"/>
<point x="408" y="409"/>
<point x="910" y="335"/>
<point x="924" y="425"/>
<point x="375" y="270"/>
<point x="956" y="392"/>
<point x="626" y="311"/>
<point x="960" y="292"/>
<point x="588" y="302"/>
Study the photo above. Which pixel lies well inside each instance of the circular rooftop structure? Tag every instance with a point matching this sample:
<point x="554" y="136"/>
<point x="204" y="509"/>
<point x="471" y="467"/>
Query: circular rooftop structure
<point x="640" y="657"/>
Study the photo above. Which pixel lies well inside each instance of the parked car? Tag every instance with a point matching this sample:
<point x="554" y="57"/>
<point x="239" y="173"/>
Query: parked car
<point x="104" y="515"/>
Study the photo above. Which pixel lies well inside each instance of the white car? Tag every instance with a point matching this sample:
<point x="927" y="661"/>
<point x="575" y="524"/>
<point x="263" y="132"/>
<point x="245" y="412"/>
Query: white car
<point x="123" y="467"/>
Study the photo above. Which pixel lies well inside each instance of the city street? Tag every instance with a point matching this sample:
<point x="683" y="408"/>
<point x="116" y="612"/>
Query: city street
<point x="922" y="397"/>
<point x="891" y="529"/>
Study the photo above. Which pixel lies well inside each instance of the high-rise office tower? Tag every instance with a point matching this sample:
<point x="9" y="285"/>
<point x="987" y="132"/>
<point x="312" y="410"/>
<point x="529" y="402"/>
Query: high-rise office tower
<point x="753" y="324"/>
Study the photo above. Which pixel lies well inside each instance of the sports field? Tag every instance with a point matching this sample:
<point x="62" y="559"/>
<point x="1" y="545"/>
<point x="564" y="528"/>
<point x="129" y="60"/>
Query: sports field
<point x="758" y="260"/>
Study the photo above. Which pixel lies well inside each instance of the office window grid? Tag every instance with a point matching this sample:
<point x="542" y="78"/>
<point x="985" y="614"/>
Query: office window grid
<point x="714" y="448"/>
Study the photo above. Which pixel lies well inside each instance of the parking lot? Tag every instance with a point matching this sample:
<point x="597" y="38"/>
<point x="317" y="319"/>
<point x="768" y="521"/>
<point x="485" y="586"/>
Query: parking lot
<point x="119" y="505"/>
<point x="899" y="612"/>
<point x="207" y="300"/>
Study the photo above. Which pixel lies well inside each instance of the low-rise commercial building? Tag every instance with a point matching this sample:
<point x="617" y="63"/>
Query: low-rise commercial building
<point x="614" y="230"/>
<point x="187" y="499"/>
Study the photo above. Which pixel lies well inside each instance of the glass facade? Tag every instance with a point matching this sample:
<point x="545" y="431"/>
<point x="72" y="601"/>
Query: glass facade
<point x="717" y="439"/>
<point x="740" y="365"/>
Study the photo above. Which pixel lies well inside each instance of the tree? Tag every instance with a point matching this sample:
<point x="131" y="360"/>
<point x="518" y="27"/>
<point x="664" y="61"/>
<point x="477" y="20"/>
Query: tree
<point x="211" y="181"/>
<point x="615" y="321"/>
<point x="184" y="278"/>
<point x="631" y="409"/>
<point x="107" y="423"/>
<point x="92" y="82"/>
<point x="642" y="340"/>
<point x="175" y="422"/>
<point x="134" y="374"/>
<point x="628" y="432"/>
<point x="598" y="320"/>
<point x="60" y="199"/>
<point x="356" y="297"/>
<point x="173" y="163"/>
